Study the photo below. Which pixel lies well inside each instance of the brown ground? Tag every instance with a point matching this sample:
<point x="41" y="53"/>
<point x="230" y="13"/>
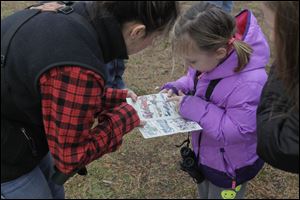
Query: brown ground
<point x="149" y="168"/>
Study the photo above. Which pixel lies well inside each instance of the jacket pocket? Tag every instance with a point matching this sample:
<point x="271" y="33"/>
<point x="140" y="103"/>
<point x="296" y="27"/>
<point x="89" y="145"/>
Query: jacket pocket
<point x="16" y="144"/>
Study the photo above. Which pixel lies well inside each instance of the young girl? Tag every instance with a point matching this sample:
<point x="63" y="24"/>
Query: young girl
<point x="234" y="51"/>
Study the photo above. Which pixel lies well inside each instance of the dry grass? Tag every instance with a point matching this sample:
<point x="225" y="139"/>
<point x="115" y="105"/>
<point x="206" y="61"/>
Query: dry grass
<point x="148" y="168"/>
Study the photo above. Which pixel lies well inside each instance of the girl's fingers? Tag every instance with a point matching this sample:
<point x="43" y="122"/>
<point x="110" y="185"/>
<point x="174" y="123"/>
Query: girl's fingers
<point x="176" y="98"/>
<point x="164" y="91"/>
<point x="180" y="93"/>
<point x="170" y="93"/>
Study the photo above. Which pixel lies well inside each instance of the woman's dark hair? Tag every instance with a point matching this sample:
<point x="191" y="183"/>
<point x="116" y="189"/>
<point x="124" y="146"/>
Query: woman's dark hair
<point x="287" y="44"/>
<point x="155" y="15"/>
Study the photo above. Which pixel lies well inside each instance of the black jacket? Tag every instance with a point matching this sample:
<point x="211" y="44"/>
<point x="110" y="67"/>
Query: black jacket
<point x="278" y="127"/>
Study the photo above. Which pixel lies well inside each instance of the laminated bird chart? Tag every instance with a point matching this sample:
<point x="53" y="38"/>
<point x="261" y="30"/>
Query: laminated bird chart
<point x="160" y="116"/>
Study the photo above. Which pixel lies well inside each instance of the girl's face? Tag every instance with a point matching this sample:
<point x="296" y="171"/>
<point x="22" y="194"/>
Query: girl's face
<point x="200" y="61"/>
<point x="269" y="19"/>
<point x="203" y="61"/>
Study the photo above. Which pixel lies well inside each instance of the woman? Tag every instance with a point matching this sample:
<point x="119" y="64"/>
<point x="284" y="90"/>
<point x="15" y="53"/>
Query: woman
<point x="278" y="112"/>
<point x="53" y="87"/>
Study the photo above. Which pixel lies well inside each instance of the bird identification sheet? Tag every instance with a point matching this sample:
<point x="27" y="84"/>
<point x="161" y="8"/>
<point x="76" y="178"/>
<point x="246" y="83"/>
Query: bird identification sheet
<point x="160" y="116"/>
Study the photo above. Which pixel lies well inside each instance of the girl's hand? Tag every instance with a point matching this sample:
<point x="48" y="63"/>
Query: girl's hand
<point x="132" y="95"/>
<point x="170" y="92"/>
<point x="177" y="99"/>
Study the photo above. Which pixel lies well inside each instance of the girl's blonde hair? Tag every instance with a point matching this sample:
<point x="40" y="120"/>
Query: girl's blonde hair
<point x="210" y="28"/>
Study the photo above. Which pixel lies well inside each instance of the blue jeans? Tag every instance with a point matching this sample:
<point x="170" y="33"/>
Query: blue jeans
<point x="35" y="184"/>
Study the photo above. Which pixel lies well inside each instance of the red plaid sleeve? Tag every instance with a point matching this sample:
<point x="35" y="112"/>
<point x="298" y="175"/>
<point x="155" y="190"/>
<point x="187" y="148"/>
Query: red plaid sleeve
<point x="113" y="97"/>
<point x="72" y="97"/>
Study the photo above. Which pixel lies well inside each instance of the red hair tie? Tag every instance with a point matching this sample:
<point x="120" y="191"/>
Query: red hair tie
<point x="231" y="40"/>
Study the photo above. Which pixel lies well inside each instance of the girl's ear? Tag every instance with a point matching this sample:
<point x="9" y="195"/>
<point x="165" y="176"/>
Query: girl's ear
<point x="221" y="53"/>
<point x="137" y="31"/>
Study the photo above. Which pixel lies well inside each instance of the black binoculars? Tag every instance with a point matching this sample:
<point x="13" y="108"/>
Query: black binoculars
<point x="189" y="164"/>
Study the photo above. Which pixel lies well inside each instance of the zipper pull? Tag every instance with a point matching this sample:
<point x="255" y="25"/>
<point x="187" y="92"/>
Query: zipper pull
<point x="24" y="132"/>
<point x="233" y="184"/>
<point x="31" y="142"/>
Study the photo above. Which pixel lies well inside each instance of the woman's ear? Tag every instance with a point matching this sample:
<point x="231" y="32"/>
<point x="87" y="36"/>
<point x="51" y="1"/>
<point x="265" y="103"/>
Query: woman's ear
<point x="221" y="53"/>
<point x="137" y="31"/>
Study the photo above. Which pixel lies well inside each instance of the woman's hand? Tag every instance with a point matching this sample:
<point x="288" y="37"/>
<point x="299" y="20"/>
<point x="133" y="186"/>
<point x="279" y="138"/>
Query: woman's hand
<point x="131" y="94"/>
<point x="177" y="99"/>
<point x="142" y="123"/>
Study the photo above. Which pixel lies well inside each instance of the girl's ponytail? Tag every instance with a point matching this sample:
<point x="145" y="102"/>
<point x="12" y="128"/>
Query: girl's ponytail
<point x="243" y="51"/>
